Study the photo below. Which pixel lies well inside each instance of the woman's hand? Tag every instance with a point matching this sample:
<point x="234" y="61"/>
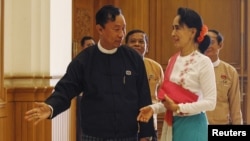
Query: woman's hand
<point x="145" y="114"/>
<point x="170" y="104"/>
<point x="40" y="112"/>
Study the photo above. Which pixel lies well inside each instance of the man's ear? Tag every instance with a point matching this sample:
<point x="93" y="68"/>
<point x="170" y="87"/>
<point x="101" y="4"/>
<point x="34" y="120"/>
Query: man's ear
<point x="221" y="44"/>
<point x="99" y="29"/>
<point x="146" y="51"/>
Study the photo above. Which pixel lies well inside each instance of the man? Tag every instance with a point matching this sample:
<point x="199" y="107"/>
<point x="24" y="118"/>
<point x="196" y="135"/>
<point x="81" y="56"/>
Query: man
<point x="87" y="41"/>
<point x="228" y="107"/>
<point x="114" y="82"/>
<point x="138" y="40"/>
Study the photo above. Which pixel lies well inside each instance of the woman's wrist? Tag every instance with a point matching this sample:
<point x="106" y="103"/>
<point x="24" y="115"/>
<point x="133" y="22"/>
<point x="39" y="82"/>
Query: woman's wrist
<point x="177" y="109"/>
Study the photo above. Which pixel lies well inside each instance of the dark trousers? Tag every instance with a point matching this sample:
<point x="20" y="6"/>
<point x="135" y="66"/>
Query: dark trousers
<point x="155" y="138"/>
<point x="91" y="138"/>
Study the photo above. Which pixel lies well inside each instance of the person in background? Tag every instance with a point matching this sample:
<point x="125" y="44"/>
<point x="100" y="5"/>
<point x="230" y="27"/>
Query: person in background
<point x="138" y="40"/>
<point x="228" y="107"/>
<point x="87" y="41"/>
<point x="114" y="82"/>
<point x="189" y="88"/>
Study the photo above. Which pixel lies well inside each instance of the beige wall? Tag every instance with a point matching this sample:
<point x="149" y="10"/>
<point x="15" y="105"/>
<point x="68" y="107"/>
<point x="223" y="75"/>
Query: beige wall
<point x="27" y="36"/>
<point x="37" y="39"/>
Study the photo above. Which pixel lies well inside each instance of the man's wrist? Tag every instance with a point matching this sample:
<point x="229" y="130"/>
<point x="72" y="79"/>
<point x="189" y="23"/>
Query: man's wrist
<point x="51" y="108"/>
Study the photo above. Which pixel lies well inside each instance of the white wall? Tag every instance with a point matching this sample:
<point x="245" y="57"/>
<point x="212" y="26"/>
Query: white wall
<point x="37" y="37"/>
<point x="60" y="35"/>
<point x="60" y="54"/>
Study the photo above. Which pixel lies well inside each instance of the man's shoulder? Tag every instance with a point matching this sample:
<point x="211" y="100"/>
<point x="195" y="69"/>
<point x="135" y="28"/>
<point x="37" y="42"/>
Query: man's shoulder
<point x="146" y="59"/>
<point x="126" y="48"/>
<point x="151" y="61"/>
<point x="227" y="65"/>
<point x="129" y="51"/>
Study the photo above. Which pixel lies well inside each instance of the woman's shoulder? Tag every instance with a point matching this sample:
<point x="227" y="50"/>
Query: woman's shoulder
<point x="203" y="57"/>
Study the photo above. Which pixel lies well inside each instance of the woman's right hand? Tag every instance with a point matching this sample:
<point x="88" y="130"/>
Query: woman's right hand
<point x="40" y="112"/>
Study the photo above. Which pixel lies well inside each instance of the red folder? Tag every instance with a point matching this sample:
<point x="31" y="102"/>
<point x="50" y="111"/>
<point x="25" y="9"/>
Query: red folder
<point x="176" y="92"/>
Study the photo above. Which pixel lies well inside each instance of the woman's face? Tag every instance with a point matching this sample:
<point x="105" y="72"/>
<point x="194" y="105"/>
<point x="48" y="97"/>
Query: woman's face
<point x="182" y="35"/>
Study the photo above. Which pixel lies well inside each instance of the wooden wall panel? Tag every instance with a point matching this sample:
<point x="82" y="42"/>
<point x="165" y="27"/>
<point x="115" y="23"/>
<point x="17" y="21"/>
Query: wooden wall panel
<point x="225" y="16"/>
<point x="1" y="48"/>
<point x="10" y="122"/>
<point x="3" y="108"/>
<point x="82" y="23"/>
<point x="3" y="130"/>
<point x="21" y="100"/>
<point x="136" y="14"/>
<point x="247" y="96"/>
<point x="3" y="123"/>
<point x="156" y="31"/>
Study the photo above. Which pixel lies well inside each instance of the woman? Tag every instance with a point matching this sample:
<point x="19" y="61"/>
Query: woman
<point x="189" y="87"/>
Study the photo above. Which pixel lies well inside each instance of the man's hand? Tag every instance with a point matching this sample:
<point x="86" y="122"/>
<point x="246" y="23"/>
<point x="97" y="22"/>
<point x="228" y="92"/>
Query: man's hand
<point x="145" y="114"/>
<point x="40" y="112"/>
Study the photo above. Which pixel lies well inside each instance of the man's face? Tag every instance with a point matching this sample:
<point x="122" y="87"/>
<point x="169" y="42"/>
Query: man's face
<point x="112" y="35"/>
<point x="214" y="48"/>
<point x="138" y="42"/>
<point x="88" y="43"/>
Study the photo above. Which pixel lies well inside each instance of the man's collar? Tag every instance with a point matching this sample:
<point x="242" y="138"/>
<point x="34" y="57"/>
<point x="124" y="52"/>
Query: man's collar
<point x="216" y="63"/>
<point x="103" y="50"/>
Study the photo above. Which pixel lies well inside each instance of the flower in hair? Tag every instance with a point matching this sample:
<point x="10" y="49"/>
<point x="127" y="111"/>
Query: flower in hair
<point x="203" y="32"/>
